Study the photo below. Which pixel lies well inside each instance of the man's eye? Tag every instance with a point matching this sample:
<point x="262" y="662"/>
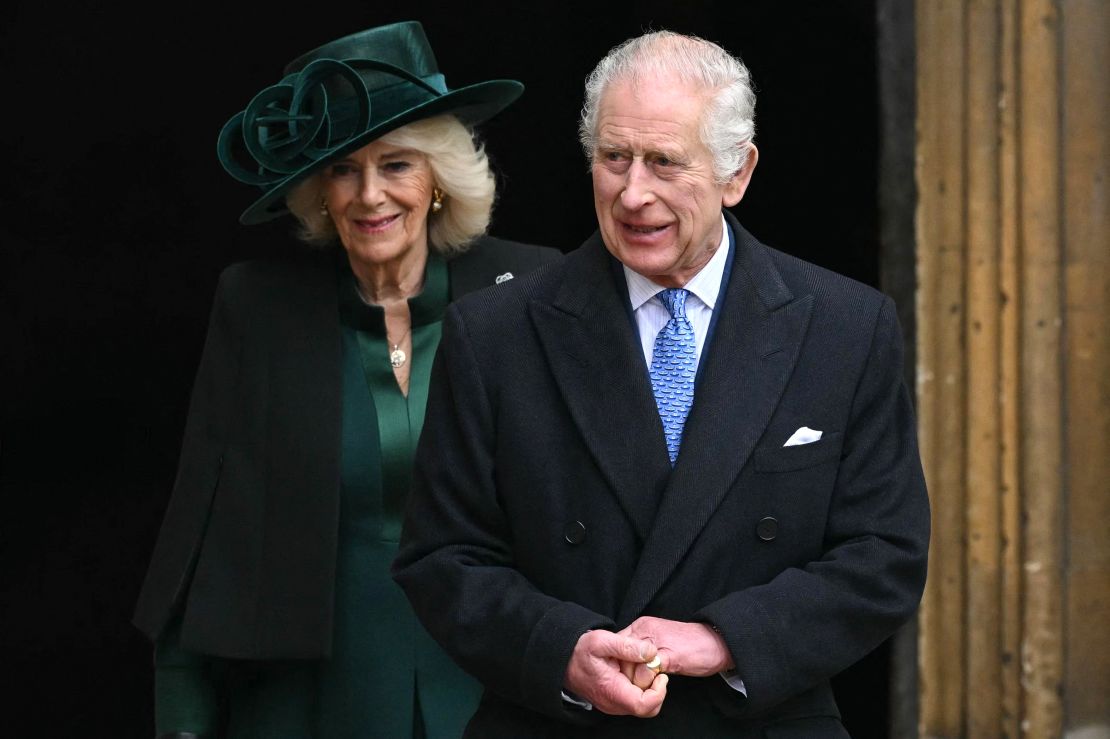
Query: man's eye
<point x="664" y="162"/>
<point x="614" y="156"/>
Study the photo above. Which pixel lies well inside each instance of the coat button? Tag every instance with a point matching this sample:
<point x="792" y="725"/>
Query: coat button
<point x="767" y="528"/>
<point x="574" y="532"/>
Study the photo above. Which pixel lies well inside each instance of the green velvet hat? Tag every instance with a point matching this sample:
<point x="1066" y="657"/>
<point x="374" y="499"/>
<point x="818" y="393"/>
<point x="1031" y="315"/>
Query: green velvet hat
<point x="338" y="98"/>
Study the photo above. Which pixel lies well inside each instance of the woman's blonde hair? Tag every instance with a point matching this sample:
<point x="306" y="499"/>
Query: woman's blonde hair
<point x="460" y="168"/>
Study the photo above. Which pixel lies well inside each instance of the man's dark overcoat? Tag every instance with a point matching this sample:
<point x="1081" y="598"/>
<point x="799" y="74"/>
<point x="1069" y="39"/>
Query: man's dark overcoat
<point x="545" y="505"/>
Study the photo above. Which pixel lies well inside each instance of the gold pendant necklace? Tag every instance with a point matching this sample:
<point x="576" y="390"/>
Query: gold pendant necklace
<point x="397" y="356"/>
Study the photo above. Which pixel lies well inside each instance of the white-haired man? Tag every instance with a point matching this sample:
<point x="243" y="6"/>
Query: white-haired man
<point x="669" y="486"/>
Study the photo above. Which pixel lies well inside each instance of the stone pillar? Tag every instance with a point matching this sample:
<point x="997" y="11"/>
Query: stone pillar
<point x="1013" y="365"/>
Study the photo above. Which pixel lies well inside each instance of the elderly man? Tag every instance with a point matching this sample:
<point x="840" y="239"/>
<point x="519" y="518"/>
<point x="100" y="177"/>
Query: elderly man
<point x="669" y="486"/>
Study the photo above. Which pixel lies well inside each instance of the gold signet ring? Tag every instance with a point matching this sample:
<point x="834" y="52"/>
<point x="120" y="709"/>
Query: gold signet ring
<point x="656" y="665"/>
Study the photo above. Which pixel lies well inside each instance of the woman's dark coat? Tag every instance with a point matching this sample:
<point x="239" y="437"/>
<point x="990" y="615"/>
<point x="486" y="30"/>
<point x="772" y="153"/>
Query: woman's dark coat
<point x="248" y="544"/>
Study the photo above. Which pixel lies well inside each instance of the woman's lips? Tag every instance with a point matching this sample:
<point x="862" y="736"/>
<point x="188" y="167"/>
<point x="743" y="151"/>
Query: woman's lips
<point x="374" y="225"/>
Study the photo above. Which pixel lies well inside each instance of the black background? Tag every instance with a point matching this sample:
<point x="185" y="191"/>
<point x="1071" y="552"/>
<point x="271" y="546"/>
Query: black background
<point x="117" y="220"/>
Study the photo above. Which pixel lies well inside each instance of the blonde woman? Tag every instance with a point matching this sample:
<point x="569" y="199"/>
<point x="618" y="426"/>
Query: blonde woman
<point x="268" y="595"/>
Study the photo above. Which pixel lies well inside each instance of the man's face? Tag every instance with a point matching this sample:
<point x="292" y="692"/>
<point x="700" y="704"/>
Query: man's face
<point x="658" y="205"/>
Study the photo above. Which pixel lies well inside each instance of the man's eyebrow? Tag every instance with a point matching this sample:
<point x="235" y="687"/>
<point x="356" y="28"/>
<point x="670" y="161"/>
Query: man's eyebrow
<point x="675" y="155"/>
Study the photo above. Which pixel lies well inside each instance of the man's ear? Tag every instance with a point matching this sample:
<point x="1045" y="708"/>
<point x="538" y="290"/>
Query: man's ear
<point x="738" y="185"/>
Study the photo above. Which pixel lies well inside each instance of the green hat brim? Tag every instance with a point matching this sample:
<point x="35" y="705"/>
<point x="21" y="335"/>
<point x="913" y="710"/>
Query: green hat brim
<point x="472" y="105"/>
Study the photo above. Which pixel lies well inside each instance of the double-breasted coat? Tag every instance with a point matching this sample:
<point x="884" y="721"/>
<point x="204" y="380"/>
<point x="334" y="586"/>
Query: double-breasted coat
<point x="544" y="504"/>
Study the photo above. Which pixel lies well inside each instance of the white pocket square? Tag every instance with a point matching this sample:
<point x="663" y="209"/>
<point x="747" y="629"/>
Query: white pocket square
<point x="804" y="435"/>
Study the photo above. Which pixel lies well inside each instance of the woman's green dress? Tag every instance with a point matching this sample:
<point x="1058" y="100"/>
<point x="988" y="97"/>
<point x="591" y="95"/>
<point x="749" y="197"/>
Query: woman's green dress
<point x="386" y="677"/>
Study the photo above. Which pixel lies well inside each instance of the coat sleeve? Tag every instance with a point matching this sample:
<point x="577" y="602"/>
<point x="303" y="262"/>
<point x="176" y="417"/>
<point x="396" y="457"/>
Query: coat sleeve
<point x="455" y="562"/>
<point x="813" y="621"/>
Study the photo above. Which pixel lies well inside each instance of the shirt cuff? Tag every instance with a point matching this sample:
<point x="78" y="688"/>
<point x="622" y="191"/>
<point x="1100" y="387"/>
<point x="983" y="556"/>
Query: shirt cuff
<point x="579" y="702"/>
<point x="734" y="681"/>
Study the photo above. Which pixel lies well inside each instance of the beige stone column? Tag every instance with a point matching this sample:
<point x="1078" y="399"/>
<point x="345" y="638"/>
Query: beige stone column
<point x="1013" y="347"/>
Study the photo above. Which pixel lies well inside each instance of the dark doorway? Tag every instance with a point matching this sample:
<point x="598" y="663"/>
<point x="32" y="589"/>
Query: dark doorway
<point x="117" y="221"/>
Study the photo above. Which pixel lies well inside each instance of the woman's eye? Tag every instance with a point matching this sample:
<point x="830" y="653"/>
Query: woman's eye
<point x="342" y="170"/>
<point x="397" y="167"/>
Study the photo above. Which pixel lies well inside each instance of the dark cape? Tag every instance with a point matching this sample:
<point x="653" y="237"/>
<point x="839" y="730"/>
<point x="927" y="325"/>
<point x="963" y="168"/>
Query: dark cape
<point x="244" y="554"/>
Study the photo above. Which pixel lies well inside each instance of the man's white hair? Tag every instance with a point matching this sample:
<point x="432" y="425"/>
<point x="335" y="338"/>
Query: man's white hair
<point x="728" y="121"/>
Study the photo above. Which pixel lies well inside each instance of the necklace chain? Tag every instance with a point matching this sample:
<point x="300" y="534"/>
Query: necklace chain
<point x="397" y="356"/>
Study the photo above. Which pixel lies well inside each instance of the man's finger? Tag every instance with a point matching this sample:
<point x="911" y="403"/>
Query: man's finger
<point x="651" y="701"/>
<point x="643" y="676"/>
<point x="628" y="669"/>
<point x="623" y="648"/>
<point x="622" y="698"/>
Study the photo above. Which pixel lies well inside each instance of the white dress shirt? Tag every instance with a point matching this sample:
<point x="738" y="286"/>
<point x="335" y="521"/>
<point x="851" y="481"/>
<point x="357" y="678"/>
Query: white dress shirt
<point x="650" y="313"/>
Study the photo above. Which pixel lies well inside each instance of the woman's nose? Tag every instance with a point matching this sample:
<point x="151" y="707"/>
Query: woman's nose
<point x="371" y="191"/>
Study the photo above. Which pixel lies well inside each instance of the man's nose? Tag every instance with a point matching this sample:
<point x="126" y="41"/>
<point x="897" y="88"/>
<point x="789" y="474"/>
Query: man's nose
<point x="638" y="185"/>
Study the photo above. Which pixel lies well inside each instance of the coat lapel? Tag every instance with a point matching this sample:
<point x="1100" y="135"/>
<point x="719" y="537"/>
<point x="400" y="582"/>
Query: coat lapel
<point x="750" y="360"/>
<point x="595" y="356"/>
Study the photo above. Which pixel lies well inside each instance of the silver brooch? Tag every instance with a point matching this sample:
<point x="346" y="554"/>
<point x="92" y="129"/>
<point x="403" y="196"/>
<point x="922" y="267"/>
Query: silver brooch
<point x="503" y="278"/>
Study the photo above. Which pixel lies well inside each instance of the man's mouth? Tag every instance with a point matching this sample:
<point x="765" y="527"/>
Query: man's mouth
<point x="646" y="229"/>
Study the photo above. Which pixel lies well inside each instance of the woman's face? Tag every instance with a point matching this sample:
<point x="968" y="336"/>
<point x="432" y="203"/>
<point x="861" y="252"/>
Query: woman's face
<point x="379" y="198"/>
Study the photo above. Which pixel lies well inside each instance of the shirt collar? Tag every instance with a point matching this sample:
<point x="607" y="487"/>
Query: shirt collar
<point x="706" y="284"/>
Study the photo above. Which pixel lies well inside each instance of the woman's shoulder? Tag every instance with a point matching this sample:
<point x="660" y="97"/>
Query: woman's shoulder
<point x="491" y="261"/>
<point x="265" y="276"/>
<point x="494" y="247"/>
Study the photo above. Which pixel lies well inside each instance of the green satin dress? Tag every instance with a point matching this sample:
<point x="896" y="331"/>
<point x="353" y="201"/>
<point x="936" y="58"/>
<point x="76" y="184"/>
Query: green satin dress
<point x="386" y="677"/>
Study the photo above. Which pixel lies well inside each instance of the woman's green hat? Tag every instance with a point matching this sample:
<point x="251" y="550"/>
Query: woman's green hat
<point x="338" y="98"/>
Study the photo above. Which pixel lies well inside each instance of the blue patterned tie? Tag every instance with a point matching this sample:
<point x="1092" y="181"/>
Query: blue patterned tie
<point x="673" y="367"/>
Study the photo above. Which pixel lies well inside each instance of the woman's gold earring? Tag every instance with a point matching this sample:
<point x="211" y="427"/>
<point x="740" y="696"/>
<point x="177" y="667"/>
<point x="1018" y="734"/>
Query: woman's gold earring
<point x="323" y="206"/>
<point x="437" y="200"/>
